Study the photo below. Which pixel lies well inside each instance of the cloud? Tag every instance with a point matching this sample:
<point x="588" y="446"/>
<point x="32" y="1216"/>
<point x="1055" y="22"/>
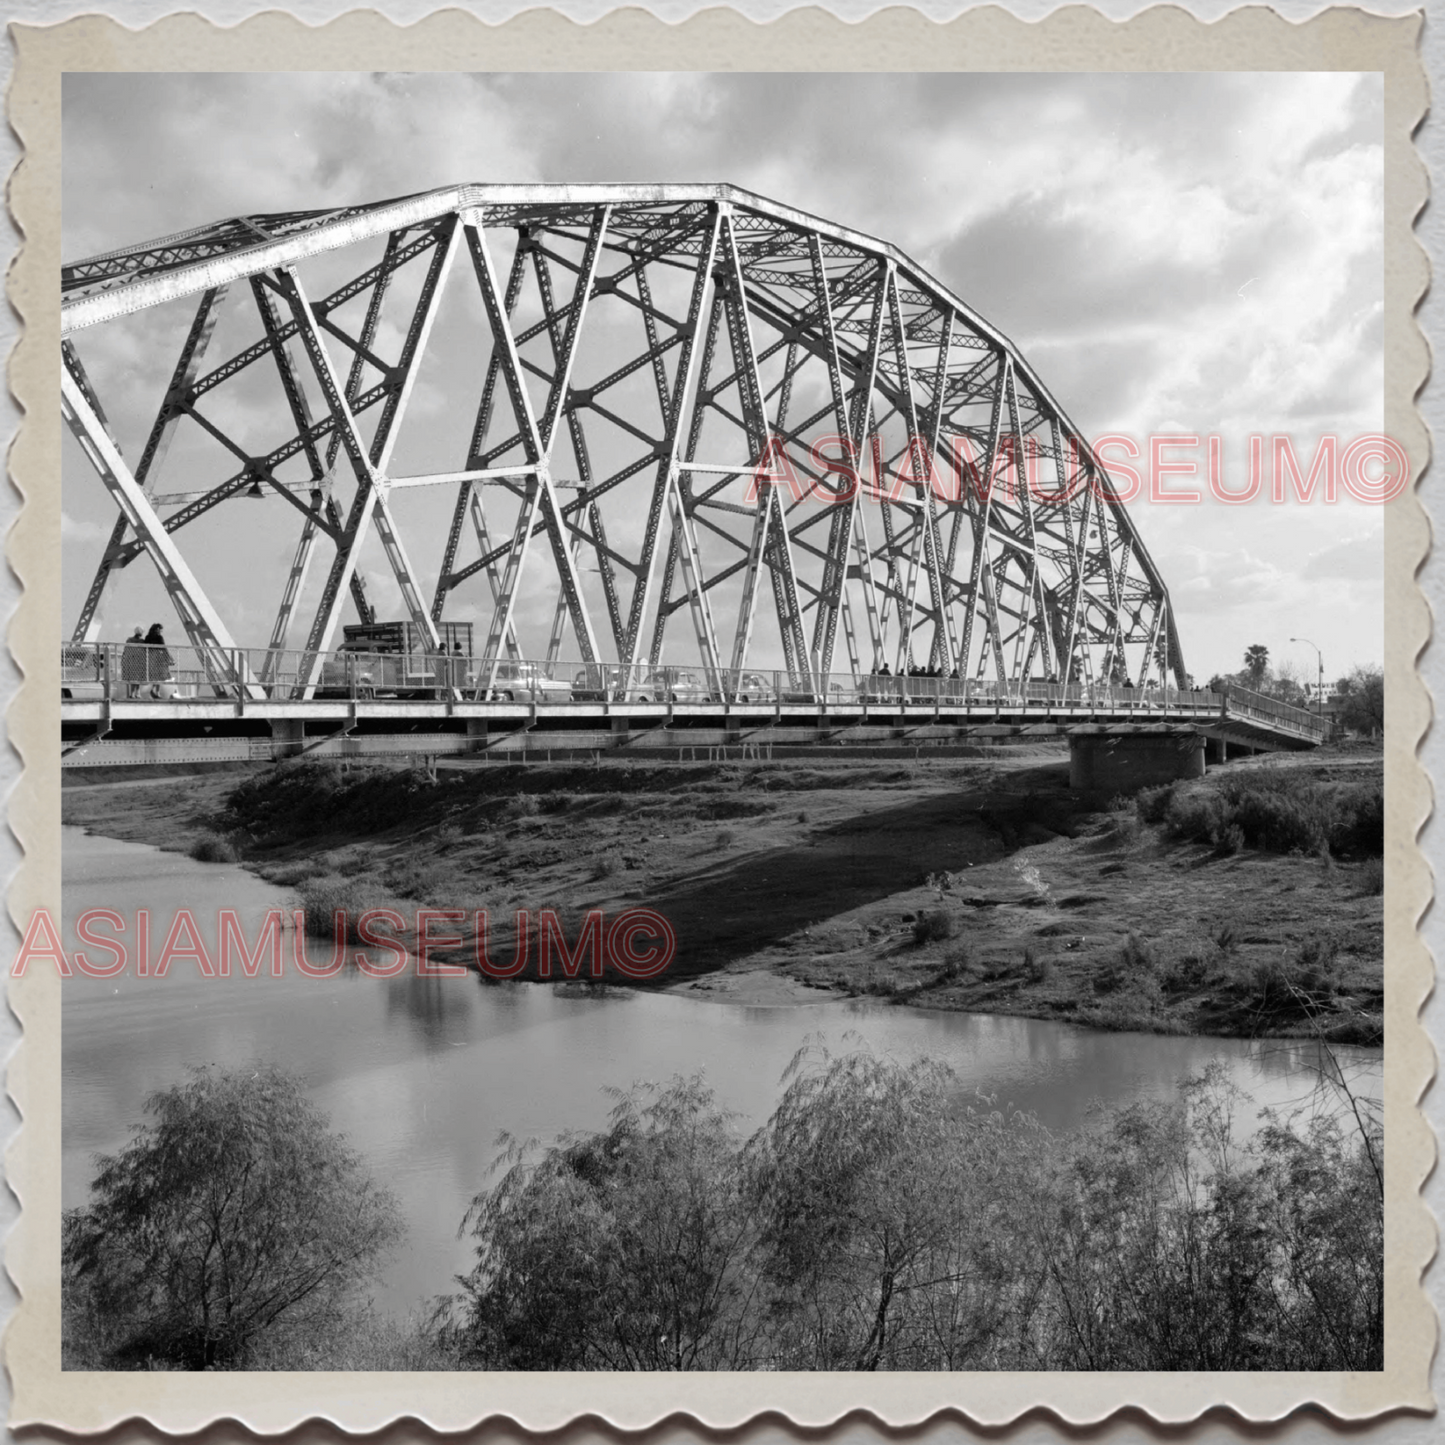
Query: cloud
<point x="1184" y="253"/>
<point x="1355" y="559"/>
<point x="74" y="532"/>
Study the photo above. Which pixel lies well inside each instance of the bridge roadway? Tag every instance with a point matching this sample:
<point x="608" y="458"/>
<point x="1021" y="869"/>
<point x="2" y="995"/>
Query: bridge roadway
<point x="112" y="731"/>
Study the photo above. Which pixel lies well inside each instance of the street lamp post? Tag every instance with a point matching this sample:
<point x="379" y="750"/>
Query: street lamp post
<point x="1320" y="676"/>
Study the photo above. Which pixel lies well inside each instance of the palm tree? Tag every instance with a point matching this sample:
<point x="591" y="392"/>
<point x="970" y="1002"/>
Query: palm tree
<point x="1256" y="664"/>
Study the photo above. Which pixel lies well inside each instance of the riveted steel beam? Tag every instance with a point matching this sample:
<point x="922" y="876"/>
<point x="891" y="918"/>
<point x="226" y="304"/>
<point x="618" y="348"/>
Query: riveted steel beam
<point x="203" y="625"/>
<point x="828" y="332"/>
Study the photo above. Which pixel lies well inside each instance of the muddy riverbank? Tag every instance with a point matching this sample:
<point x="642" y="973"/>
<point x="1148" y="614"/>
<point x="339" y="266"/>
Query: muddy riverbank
<point x="985" y="887"/>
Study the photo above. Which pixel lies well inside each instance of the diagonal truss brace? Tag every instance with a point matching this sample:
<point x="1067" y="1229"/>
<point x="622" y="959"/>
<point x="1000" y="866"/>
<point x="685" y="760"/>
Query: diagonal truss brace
<point x="208" y="634"/>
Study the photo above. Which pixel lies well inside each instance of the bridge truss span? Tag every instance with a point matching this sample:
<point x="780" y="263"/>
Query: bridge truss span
<point x="632" y="425"/>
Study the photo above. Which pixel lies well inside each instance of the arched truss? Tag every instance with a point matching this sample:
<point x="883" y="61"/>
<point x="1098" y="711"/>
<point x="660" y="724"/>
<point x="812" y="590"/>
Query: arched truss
<point x="656" y="378"/>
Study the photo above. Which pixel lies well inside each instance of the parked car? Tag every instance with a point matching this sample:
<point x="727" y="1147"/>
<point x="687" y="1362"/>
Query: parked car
<point x="753" y="687"/>
<point x="677" y="684"/>
<point x="611" y="682"/>
<point x="597" y="682"/>
<point x="516" y="680"/>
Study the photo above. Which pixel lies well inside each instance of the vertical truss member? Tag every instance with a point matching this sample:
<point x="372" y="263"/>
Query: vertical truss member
<point x="765" y="414"/>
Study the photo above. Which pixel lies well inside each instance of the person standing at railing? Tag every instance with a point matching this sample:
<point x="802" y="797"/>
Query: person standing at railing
<point x="133" y="663"/>
<point x="158" y="657"/>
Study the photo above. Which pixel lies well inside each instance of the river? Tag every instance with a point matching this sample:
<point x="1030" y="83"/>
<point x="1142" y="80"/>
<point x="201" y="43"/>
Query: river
<point x="422" y="1074"/>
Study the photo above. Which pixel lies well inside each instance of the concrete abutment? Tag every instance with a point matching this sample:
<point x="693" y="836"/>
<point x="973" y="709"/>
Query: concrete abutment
<point x="1122" y="760"/>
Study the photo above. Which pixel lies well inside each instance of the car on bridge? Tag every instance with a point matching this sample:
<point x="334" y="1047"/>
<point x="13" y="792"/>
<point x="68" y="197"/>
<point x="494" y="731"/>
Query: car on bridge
<point x="516" y="680"/>
<point x="838" y="694"/>
<point x="754" y="687"/>
<point x="681" y="684"/>
<point x="611" y="682"/>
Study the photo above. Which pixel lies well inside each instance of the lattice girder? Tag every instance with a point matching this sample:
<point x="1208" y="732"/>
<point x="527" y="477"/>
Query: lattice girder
<point x="681" y="397"/>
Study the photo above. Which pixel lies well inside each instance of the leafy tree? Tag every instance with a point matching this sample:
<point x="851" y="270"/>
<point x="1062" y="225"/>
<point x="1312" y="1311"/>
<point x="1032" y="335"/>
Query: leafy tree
<point x="234" y="1218"/>
<point x="891" y="1239"/>
<point x="1288" y="686"/>
<point x="1363" y="700"/>
<point x="623" y="1250"/>
<point x="880" y="1222"/>
<point x="1256" y="665"/>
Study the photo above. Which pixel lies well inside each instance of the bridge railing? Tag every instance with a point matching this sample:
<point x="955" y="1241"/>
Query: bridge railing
<point x="1248" y="706"/>
<point x="135" y="671"/>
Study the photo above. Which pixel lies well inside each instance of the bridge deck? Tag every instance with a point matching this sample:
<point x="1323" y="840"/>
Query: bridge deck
<point x="109" y="730"/>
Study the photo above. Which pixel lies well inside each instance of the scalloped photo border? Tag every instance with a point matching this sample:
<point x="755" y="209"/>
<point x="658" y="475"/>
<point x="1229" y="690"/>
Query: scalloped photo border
<point x="1074" y="39"/>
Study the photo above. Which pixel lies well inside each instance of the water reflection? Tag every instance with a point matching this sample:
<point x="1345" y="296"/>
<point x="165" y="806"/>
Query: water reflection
<point x="424" y="1073"/>
<point x="438" y="1014"/>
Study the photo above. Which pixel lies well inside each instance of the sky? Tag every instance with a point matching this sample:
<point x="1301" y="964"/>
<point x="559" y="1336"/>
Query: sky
<point x="1173" y="254"/>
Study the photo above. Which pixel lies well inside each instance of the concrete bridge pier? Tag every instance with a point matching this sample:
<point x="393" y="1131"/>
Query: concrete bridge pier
<point x="1216" y="751"/>
<point x="288" y="737"/>
<point x="1124" y="759"/>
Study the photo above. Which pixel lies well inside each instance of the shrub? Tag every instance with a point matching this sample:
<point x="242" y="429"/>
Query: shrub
<point x="1190" y="970"/>
<point x="583" y="1250"/>
<point x="882" y="1221"/>
<point x="955" y="965"/>
<point x="1133" y="967"/>
<point x="1281" y="812"/>
<point x="1136" y="955"/>
<point x="298" y="800"/>
<point x="1230" y="842"/>
<point x="1360" y="824"/>
<point x="1298" y="984"/>
<point x="1317" y="958"/>
<point x="235" y="1217"/>
<point x="324" y="898"/>
<point x="1272" y="984"/>
<point x="288" y="875"/>
<point x="447" y="836"/>
<point x="1152" y="804"/>
<point x="1194" y="816"/>
<point x="1038" y="966"/>
<point x="1372" y="878"/>
<point x="214" y="850"/>
<point x="524" y="805"/>
<point x="605" y="865"/>
<point x="933" y="926"/>
<point x="363" y="1339"/>
<point x="409" y="880"/>
<point x="724" y="838"/>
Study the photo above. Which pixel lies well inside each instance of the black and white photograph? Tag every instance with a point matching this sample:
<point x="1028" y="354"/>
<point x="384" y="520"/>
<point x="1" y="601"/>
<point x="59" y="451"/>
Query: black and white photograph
<point x="723" y="722"/>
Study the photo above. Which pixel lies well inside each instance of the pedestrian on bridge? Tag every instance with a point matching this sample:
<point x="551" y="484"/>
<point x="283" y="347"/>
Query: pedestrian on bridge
<point x="133" y="663"/>
<point x="158" y="658"/>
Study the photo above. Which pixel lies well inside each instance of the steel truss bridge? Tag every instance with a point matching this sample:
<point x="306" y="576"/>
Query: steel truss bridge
<point x="639" y="402"/>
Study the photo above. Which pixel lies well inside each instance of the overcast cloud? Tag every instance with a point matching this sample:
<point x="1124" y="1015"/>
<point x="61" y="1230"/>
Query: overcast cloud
<point x="1181" y="253"/>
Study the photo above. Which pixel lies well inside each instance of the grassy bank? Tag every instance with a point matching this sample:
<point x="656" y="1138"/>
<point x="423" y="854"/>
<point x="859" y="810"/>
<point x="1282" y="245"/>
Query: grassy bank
<point x="1246" y="903"/>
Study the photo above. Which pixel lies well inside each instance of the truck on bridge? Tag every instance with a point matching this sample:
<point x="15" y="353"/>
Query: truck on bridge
<point x="394" y="659"/>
